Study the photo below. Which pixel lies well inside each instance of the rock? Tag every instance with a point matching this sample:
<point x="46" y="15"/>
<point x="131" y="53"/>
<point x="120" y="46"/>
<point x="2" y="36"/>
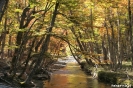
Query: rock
<point x="41" y="77"/>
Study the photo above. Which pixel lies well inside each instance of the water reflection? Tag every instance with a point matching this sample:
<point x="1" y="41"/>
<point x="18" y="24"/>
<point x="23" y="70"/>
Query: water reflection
<point x="72" y="77"/>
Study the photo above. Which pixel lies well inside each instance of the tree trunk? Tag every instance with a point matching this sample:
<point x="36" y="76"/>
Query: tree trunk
<point x="104" y="50"/>
<point x="28" y="58"/>
<point x="22" y="39"/>
<point x="3" y="6"/>
<point x="130" y="30"/>
<point x="119" y="42"/>
<point x="44" y="46"/>
<point x="75" y="57"/>
<point x="4" y="38"/>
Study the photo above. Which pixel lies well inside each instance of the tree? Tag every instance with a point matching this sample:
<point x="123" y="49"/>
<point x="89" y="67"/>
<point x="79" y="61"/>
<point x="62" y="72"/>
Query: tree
<point x="3" y="6"/>
<point x="45" y="44"/>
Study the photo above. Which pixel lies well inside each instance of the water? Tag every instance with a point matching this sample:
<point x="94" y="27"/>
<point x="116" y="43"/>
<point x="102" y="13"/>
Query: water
<point x="72" y="77"/>
<point x="3" y="85"/>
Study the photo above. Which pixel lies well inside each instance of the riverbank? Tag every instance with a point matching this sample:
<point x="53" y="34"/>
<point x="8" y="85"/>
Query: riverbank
<point x="66" y="72"/>
<point x="119" y="77"/>
<point x="107" y="76"/>
<point x="38" y="78"/>
<point x="116" y="78"/>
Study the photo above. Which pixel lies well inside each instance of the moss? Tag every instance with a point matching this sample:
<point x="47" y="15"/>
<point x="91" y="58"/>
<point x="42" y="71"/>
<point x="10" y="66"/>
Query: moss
<point x="113" y="78"/>
<point x="127" y="82"/>
<point x="107" y="77"/>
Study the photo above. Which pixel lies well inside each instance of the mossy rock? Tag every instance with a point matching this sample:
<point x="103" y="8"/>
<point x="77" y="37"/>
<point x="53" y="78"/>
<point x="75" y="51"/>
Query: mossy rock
<point x="120" y="80"/>
<point x="114" y="78"/>
<point x="107" y="77"/>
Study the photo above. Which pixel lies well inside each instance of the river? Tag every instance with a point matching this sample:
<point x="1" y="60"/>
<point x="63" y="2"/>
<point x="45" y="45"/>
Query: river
<point x="71" y="76"/>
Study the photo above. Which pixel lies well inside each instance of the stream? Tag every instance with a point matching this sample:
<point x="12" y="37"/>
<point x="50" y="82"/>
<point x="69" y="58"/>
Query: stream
<point x="71" y="76"/>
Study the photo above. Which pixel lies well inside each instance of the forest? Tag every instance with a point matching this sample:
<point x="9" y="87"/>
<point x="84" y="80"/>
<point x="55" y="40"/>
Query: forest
<point x="35" y="33"/>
